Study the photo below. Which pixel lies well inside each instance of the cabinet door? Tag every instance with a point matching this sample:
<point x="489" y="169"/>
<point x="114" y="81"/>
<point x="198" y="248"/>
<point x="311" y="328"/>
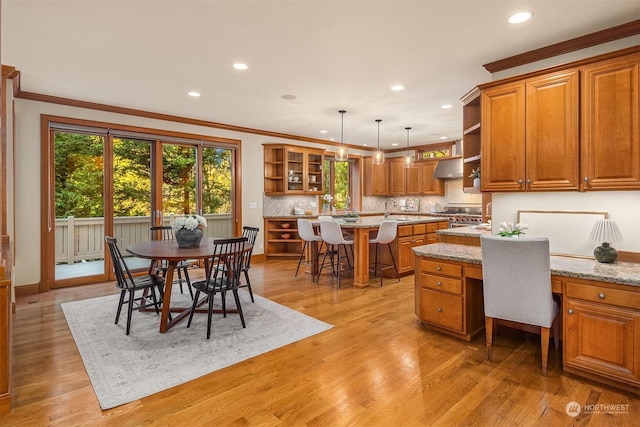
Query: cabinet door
<point x="609" y="147"/>
<point x="602" y="339"/>
<point x="313" y="176"/>
<point x="397" y="177"/>
<point x="404" y="254"/>
<point x="552" y="132"/>
<point x="296" y="174"/>
<point x="375" y="178"/>
<point x="503" y="138"/>
<point x="430" y="185"/>
<point x="413" y="180"/>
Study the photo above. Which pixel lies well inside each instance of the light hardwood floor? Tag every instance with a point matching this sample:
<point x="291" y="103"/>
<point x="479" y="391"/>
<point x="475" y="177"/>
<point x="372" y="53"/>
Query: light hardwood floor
<point x="377" y="367"/>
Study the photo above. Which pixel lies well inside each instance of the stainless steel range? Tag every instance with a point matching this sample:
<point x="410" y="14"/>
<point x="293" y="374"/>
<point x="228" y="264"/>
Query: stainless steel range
<point x="461" y="217"/>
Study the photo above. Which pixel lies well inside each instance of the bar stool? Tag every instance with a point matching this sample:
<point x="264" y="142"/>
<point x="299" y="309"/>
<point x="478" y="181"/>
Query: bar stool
<point x="306" y="233"/>
<point x="386" y="234"/>
<point x="332" y="235"/>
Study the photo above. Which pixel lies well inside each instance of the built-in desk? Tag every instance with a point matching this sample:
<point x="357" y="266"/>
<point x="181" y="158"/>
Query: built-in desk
<point x="600" y="307"/>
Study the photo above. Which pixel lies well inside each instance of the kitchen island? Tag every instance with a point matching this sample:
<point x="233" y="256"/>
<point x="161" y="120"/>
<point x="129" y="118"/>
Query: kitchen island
<point x="600" y="312"/>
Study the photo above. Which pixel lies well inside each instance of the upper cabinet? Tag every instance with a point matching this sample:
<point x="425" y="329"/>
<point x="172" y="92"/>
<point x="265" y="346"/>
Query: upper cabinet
<point x="530" y="134"/>
<point x="471" y="142"/>
<point x="293" y="170"/>
<point x="417" y="180"/>
<point x="376" y="178"/>
<point x="610" y="156"/>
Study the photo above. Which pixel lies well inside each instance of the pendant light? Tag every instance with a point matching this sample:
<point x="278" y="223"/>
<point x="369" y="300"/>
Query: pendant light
<point x="378" y="156"/>
<point x="408" y="160"/>
<point x="342" y="155"/>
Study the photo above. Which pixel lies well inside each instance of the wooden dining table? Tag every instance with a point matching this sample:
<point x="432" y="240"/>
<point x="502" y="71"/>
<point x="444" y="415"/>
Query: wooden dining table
<point x="168" y="250"/>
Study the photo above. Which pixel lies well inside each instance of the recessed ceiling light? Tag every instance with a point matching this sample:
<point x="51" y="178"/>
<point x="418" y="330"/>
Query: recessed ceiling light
<point x="289" y="97"/>
<point x="194" y="94"/>
<point x="397" y="87"/>
<point x="323" y="131"/>
<point x="520" y="17"/>
<point x="364" y="145"/>
<point x="445" y="106"/>
<point x="240" y="66"/>
<point x="394" y="144"/>
<point x="443" y="137"/>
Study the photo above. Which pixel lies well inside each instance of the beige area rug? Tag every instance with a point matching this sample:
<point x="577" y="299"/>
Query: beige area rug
<point x="126" y="368"/>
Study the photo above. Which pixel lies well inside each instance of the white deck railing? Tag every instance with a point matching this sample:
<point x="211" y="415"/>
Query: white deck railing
<point x="79" y="239"/>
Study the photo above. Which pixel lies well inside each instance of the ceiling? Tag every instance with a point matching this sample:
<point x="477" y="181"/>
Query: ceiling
<point x="330" y="55"/>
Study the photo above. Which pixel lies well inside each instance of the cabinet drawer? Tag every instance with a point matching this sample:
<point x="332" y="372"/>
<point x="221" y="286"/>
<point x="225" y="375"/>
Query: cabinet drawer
<point x="441" y="309"/>
<point x="405" y="230"/>
<point x="440" y="283"/>
<point x="432" y="227"/>
<point x="439" y="267"/>
<point x="420" y="229"/>
<point x="603" y="295"/>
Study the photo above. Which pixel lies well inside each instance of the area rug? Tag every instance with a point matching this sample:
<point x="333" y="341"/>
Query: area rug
<point x="126" y="368"/>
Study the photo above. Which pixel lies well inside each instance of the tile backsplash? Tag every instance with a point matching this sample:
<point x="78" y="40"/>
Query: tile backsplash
<point x="283" y="205"/>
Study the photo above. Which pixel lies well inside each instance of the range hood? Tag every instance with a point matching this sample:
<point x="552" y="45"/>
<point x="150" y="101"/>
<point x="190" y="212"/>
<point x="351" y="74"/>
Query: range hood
<point x="449" y="169"/>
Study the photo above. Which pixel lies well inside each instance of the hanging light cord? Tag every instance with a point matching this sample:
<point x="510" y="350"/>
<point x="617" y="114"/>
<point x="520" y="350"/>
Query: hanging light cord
<point x="342" y="127"/>
<point x="408" y="129"/>
<point x="378" y="120"/>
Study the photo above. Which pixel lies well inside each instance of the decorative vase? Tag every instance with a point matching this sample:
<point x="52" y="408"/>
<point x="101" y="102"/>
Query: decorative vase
<point x="188" y="238"/>
<point x="476" y="182"/>
<point x="325" y="208"/>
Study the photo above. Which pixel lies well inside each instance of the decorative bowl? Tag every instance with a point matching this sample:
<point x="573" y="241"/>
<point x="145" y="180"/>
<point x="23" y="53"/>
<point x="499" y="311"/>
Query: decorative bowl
<point x="285" y="225"/>
<point x="351" y="218"/>
<point x="285" y="236"/>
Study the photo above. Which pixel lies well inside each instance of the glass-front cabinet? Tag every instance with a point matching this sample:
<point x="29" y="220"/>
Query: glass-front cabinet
<point x="290" y="169"/>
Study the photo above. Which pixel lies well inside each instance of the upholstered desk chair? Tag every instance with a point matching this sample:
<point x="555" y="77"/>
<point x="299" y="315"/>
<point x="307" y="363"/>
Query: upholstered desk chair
<point x="308" y="236"/>
<point x="387" y="233"/>
<point x="517" y="287"/>
<point x="336" y="245"/>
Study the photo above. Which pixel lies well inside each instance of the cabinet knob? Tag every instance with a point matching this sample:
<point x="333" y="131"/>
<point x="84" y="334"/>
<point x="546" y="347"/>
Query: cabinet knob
<point x="585" y="179"/>
<point x="439" y="283"/>
<point x="520" y="181"/>
<point x="438" y="268"/>
<point x="528" y="182"/>
<point x="570" y="311"/>
<point x="601" y="296"/>
<point x="439" y="309"/>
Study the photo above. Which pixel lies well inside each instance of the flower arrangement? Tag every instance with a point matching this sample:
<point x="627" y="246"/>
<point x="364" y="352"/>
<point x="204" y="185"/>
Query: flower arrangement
<point x="475" y="173"/>
<point x="189" y="222"/>
<point x="327" y="198"/>
<point x="507" y="229"/>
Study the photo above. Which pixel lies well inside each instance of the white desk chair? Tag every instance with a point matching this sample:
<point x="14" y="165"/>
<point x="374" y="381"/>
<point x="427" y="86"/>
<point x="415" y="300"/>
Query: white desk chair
<point x="332" y="235"/>
<point x="306" y="233"/>
<point x="517" y="287"/>
<point x="387" y="233"/>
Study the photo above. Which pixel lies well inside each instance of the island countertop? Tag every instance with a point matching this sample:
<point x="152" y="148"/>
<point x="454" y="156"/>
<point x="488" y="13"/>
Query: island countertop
<point x="623" y="273"/>
<point x="375" y="221"/>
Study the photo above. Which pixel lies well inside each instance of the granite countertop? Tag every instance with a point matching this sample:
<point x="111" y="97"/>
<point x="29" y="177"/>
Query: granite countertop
<point x="375" y="221"/>
<point x="471" y="231"/>
<point x="624" y="273"/>
<point x="365" y="214"/>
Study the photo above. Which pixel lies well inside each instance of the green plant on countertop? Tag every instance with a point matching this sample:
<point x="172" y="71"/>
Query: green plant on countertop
<point x="507" y="229"/>
<point x="475" y="173"/>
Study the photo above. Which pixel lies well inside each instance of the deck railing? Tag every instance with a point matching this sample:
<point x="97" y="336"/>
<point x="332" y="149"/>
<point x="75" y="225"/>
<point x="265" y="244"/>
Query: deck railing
<point x="81" y="239"/>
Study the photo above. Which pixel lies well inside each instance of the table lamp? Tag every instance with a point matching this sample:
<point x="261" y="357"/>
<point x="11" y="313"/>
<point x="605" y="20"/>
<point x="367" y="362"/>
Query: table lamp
<point x="605" y="231"/>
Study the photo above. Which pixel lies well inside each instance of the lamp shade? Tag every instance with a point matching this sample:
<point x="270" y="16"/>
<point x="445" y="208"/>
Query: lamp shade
<point x="605" y="230"/>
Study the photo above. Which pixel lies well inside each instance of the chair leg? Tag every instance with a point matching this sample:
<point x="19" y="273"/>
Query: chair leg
<point x="488" y="326"/>
<point x="340" y="267"/>
<point x="188" y="280"/>
<point x="239" y="307"/>
<point x="304" y="246"/>
<point x="130" y="309"/>
<point x="378" y="266"/>
<point x="180" y="280"/>
<point x="246" y="276"/>
<point x="122" y="293"/>
<point x="317" y="278"/>
<point x="393" y="260"/>
<point x="193" y="307"/>
<point x="209" y="316"/>
<point x="544" y="338"/>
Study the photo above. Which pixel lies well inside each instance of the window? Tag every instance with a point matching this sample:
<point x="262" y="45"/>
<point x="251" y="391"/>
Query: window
<point x="338" y="179"/>
<point x="435" y="151"/>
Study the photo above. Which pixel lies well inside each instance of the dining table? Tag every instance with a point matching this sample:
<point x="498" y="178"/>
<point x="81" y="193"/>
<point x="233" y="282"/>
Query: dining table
<point x="169" y="251"/>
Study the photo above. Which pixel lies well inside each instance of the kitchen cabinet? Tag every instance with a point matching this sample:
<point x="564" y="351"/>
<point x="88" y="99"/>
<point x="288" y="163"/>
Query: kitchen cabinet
<point x="530" y="134"/>
<point x="471" y="141"/>
<point x="375" y="178"/>
<point x="449" y="298"/>
<point x="610" y="151"/>
<point x="397" y="177"/>
<point x="410" y="236"/>
<point x="417" y="180"/>
<point x="601" y="331"/>
<point x="290" y="169"/>
<point x="281" y="238"/>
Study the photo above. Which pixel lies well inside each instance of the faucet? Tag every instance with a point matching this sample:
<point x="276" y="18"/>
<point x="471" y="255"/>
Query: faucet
<point x="386" y="208"/>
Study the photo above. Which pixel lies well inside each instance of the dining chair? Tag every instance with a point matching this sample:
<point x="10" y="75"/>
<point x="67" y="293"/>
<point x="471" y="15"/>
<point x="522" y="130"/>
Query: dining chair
<point x="387" y="233"/>
<point x="517" y="287"/>
<point x="250" y="233"/>
<point x="129" y="285"/>
<point x="336" y="246"/>
<point x="222" y="275"/>
<point x="165" y="232"/>
<point x="309" y="237"/>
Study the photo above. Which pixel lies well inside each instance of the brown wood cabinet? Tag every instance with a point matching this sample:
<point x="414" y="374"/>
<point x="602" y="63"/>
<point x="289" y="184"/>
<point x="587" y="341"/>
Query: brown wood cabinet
<point x="418" y="180"/>
<point x="530" y="134"/>
<point x="397" y="177"/>
<point x="290" y="169"/>
<point x="610" y="155"/>
<point x="375" y="178"/>
<point x="601" y="331"/>
<point x="472" y="140"/>
<point x="281" y="238"/>
<point x="410" y="236"/>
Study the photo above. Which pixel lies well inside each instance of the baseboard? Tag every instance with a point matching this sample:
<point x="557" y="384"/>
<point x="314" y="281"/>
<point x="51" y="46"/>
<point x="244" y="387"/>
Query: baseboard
<point x="629" y="256"/>
<point x="26" y="290"/>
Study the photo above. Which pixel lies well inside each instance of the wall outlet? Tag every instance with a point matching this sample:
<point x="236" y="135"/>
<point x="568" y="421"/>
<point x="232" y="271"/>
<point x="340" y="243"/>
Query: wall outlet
<point x="253" y="205"/>
<point x="313" y="204"/>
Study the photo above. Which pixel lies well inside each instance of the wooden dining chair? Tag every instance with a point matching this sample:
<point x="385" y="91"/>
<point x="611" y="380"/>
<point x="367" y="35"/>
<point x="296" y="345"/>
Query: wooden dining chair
<point x="129" y="285"/>
<point x="165" y="232"/>
<point x="250" y="233"/>
<point x="222" y="275"/>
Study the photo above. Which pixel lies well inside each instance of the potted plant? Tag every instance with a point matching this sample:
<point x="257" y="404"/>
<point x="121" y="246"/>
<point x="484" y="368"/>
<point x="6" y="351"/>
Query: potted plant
<point x="189" y="230"/>
<point x="475" y="174"/>
<point x="507" y="229"/>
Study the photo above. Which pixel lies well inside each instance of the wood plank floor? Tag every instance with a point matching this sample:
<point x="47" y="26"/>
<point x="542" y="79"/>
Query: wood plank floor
<point x="377" y="367"/>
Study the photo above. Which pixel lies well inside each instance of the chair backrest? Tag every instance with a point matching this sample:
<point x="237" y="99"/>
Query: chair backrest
<point x="161" y="232"/>
<point x="227" y="261"/>
<point x="387" y="231"/>
<point x="305" y="230"/>
<point x="331" y="233"/>
<point x="124" y="279"/>
<point x="250" y="233"/>
<point x="517" y="279"/>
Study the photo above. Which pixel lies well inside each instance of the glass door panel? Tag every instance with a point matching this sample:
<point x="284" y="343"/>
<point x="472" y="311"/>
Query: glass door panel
<point x="217" y="191"/>
<point x="179" y="195"/>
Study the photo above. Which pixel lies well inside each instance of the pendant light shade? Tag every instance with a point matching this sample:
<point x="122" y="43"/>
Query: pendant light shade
<point x="342" y="154"/>
<point x="378" y="156"/>
<point x="408" y="160"/>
